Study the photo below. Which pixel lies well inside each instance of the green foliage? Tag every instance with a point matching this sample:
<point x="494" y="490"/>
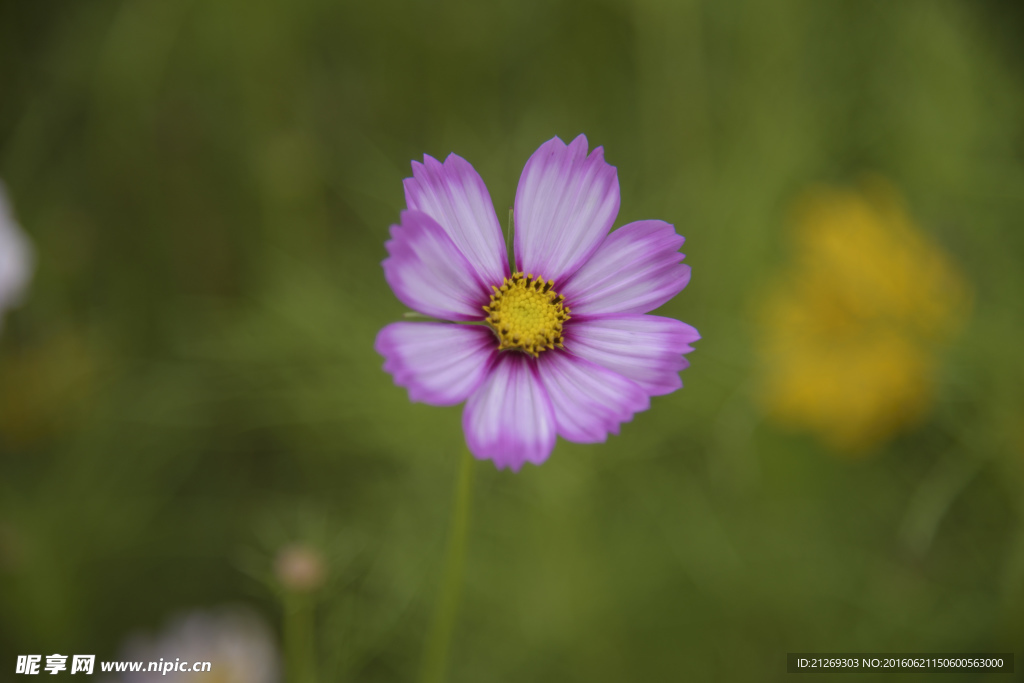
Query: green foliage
<point x="191" y="383"/>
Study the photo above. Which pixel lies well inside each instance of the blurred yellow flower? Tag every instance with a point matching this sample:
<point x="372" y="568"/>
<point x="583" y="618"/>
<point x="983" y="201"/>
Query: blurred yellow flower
<point x="848" y="339"/>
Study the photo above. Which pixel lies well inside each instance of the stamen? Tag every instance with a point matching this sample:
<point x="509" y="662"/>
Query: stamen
<point x="526" y="314"/>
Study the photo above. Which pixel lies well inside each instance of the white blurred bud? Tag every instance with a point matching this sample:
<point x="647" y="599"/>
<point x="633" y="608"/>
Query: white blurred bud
<point x="300" y="568"/>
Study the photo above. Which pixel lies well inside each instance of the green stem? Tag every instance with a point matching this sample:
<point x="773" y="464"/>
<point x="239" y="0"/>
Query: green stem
<point x="435" y="654"/>
<point x="510" y="241"/>
<point x="298" y="638"/>
<point x="932" y="501"/>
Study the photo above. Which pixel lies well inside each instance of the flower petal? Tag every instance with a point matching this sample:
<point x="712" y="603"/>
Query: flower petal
<point x="565" y="205"/>
<point x="589" y="401"/>
<point x="509" y="419"/>
<point x="428" y="273"/>
<point x="16" y="257"/>
<point x="647" y="349"/>
<point x="454" y="195"/>
<point x="636" y="269"/>
<point x="440" y="364"/>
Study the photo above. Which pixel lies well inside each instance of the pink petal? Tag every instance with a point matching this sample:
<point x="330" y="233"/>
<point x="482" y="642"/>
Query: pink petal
<point x="509" y="419"/>
<point x="428" y="273"/>
<point x="16" y="257"/>
<point x="565" y="205"/>
<point x="647" y="349"/>
<point x="454" y="195"/>
<point x="589" y="401"/>
<point x="636" y="269"/>
<point x="440" y="364"/>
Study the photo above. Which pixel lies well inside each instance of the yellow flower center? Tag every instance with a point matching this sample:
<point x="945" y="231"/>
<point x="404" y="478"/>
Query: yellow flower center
<point x="527" y="314"/>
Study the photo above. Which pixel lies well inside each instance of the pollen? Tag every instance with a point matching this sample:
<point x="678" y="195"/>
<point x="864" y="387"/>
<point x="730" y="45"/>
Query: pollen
<point x="527" y="314"/>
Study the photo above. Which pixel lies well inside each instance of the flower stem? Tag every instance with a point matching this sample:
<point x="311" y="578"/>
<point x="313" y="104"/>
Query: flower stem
<point x="435" y="654"/>
<point x="933" y="499"/>
<point x="298" y="638"/>
<point x="510" y="241"/>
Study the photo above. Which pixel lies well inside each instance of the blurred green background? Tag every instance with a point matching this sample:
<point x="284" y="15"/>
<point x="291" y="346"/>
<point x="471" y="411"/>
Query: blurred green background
<point x="190" y="384"/>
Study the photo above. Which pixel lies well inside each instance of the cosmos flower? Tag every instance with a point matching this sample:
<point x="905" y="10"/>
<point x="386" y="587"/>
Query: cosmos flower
<point x="849" y="338"/>
<point x="15" y="257"/>
<point x="561" y="345"/>
<point x="239" y="646"/>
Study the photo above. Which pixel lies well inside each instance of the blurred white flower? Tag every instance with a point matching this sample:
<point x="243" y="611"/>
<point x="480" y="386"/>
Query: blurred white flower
<point x="16" y="258"/>
<point x="238" y="644"/>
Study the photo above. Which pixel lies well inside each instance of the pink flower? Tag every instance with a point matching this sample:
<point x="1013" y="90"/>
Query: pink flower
<point x="562" y="345"/>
